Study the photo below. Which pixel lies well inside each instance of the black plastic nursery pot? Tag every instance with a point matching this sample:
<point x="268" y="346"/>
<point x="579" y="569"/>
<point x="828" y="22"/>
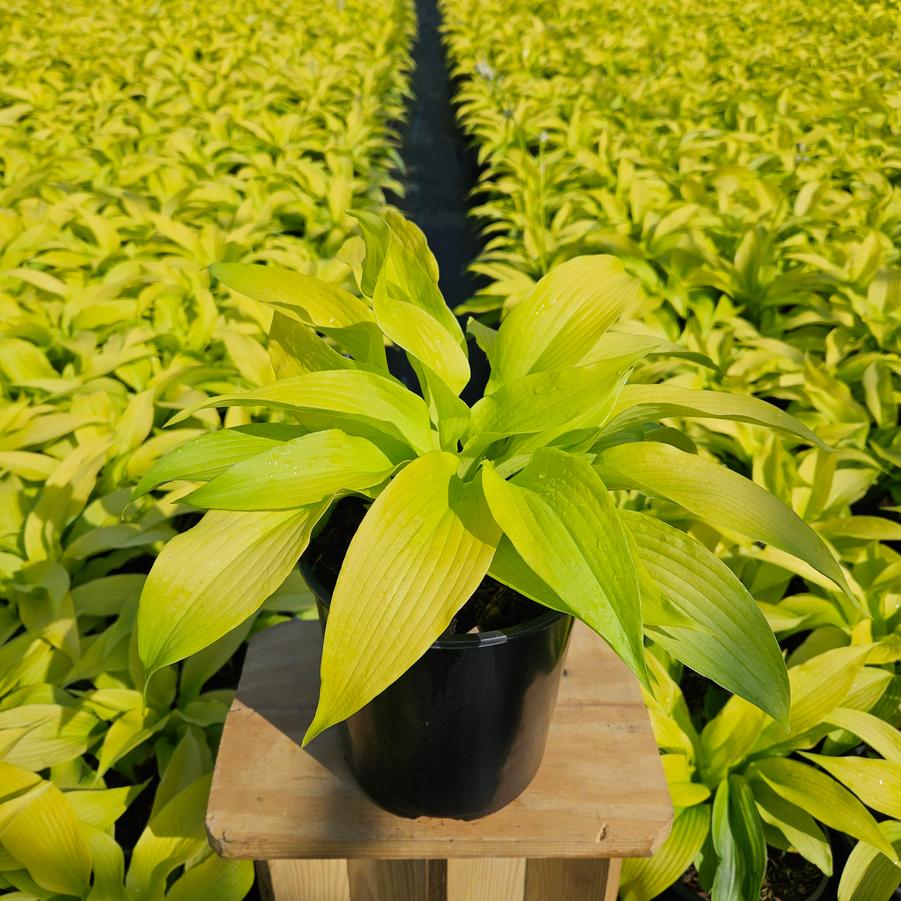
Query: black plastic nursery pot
<point x="463" y="731"/>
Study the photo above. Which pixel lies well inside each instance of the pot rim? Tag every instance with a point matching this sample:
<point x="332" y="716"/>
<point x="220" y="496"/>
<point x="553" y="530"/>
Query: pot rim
<point x="467" y="641"/>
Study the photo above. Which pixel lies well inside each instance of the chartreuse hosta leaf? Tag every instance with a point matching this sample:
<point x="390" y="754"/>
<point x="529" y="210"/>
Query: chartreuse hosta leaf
<point x="878" y="734"/>
<point x="738" y="841"/>
<point x="211" y="454"/>
<point x="718" y="495"/>
<point x="295" y="348"/>
<point x="420" y="552"/>
<point x="407" y="304"/>
<point x="173" y="836"/>
<point x="799" y="828"/>
<point x="214" y="879"/>
<point x="372" y="399"/>
<point x="740" y="730"/>
<point x="108" y="862"/>
<point x="822" y="797"/>
<point x="645" y="403"/>
<point x="311" y="299"/>
<point x="562" y="521"/>
<point x="39" y="828"/>
<point x="818" y="686"/>
<point x="876" y="782"/>
<point x="296" y="473"/>
<point x="869" y="874"/>
<point x="646" y="877"/>
<point x="683" y="790"/>
<point x="734" y="645"/>
<point x="550" y="402"/>
<point x="210" y="579"/>
<point x="328" y="308"/>
<point x="562" y="319"/>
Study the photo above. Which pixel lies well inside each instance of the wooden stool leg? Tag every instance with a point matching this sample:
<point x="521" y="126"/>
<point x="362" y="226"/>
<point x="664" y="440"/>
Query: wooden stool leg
<point x="306" y="880"/>
<point x="486" y="879"/>
<point x="572" y="880"/>
<point x="392" y="880"/>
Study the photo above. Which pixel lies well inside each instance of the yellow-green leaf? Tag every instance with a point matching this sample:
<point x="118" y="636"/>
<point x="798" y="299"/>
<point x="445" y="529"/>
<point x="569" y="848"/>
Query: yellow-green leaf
<point x="208" y="580"/>
<point x="878" y="734"/>
<point x="817" y="686"/>
<point x="718" y="495"/>
<point x="173" y="836"/>
<point x="645" y="878"/>
<point x="40" y="830"/>
<point x="562" y="522"/>
<point x="731" y="642"/>
<point x="869" y="875"/>
<point x="822" y="797"/>
<point x="345" y="396"/>
<point x="876" y="782"/>
<point x="643" y="403"/>
<point x="563" y="317"/>
<point x="419" y="554"/>
<point x="214" y="879"/>
<point x="296" y="473"/>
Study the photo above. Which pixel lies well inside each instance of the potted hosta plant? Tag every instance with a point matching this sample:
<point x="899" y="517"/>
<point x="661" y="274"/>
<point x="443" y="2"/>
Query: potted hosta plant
<point x="465" y="517"/>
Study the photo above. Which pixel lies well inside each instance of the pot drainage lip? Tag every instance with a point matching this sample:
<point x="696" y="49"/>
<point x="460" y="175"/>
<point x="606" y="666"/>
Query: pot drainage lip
<point x="496" y="636"/>
<point x="468" y="640"/>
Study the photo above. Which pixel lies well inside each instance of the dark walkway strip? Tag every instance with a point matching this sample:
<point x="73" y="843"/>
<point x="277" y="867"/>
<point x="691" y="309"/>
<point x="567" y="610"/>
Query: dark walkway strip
<point x="441" y="172"/>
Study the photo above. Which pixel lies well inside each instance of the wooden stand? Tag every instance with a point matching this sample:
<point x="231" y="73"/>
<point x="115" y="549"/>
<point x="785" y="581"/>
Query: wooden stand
<point x="599" y="796"/>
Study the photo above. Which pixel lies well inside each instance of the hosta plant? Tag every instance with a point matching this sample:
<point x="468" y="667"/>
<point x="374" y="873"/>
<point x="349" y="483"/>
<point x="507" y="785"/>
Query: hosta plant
<point x="138" y="143"/>
<point x="523" y="486"/>
<point x="741" y="783"/>
<point x="759" y="206"/>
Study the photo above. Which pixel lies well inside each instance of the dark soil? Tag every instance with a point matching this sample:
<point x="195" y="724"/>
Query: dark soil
<point x="703" y="698"/>
<point x="492" y="606"/>
<point x="788" y="877"/>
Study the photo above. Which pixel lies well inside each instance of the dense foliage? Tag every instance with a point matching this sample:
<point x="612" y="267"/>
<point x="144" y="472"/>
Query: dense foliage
<point x="139" y="143"/>
<point x="757" y="191"/>
<point x="521" y="486"/>
<point x="742" y="159"/>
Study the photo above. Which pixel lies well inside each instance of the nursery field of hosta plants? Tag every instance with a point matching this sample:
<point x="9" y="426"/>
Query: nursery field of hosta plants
<point x="742" y="160"/>
<point x="140" y="142"/>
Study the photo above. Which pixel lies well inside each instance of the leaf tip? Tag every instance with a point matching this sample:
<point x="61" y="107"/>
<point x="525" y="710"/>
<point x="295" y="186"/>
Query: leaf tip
<point x="319" y="725"/>
<point x="219" y="271"/>
<point x="180" y="416"/>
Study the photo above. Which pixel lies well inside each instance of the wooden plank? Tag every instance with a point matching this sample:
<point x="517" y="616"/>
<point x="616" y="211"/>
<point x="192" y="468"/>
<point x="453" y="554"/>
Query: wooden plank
<point x="571" y="880"/>
<point x="614" y="869"/>
<point x="392" y="880"/>
<point x="486" y="879"/>
<point x="600" y="791"/>
<point x="309" y="880"/>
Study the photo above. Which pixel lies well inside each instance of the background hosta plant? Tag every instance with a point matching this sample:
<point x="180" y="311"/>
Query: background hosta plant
<point x="737" y="157"/>
<point x="138" y="144"/>
<point x="760" y="212"/>
<point x="522" y="486"/>
<point x="740" y="783"/>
